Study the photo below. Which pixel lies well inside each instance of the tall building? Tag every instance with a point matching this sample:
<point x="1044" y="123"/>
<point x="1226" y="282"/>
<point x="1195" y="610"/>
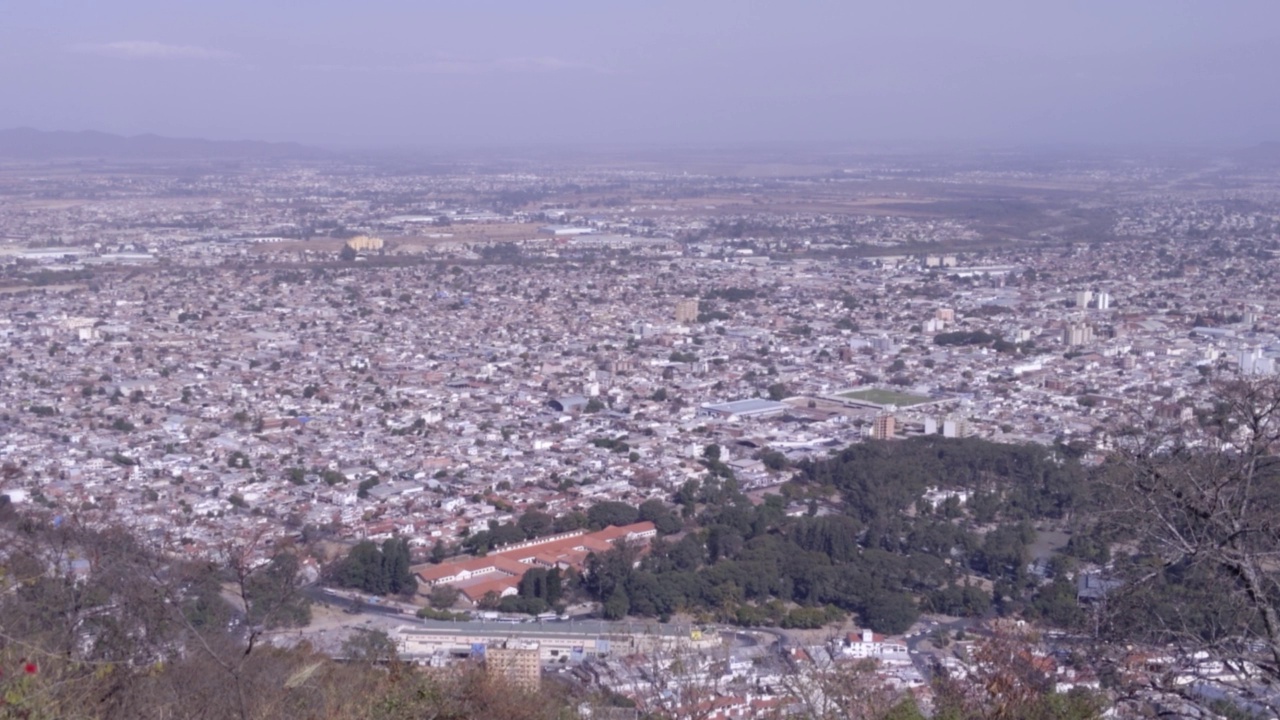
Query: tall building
<point x="1253" y="362"/>
<point x="687" y="310"/>
<point x="945" y="314"/>
<point x="516" y="662"/>
<point x="1082" y="298"/>
<point x="364" y="243"/>
<point x="1104" y="300"/>
<point x="884" y="427"/>
<point x="1077" y="334"/>
<point x="955" y="428"/>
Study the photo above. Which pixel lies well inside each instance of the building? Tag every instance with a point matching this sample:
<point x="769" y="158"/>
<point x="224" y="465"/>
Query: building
<point x="1253" y="362"/>
<point x="569" y="403"/>
<point x="1104" y="301"/>
<point x="866" y="644"/>
<point x="884" y="427"/>
<point x="364" y="243"/>
<point x="882" y="343"/>
<point x="1077" y="334"/>
<point x="566" y="230"/>
<point x="515" y="661"/>
<point x="559" y="642"/>
<point x="500" y="570"/>
<point x="955" y="428"/>
<point x="945" y="315"/>
<point x="687" y="310"/>
<point x="738" y="409"/>
<point x="1083" y="297"/>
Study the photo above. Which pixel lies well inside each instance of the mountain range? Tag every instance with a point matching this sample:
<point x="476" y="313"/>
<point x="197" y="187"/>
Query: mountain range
<point x="31" y="144"/>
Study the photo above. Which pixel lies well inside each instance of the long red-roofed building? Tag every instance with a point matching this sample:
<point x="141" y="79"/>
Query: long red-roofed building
<point x="500" y="570"/>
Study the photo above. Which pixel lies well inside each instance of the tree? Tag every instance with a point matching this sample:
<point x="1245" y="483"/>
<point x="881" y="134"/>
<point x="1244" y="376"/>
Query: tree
<point x="272" y="597"/>
<point x="824" y="689"/>
<point x="611" y="512"/>
<point x="443" y="597"/>
<point x="536" y="523"/>
<point x="571" y="521"/>
<point x="439" y="552"/>
<point x="395" y="567"/>
<point x="1005" y="682"/>
<point x="147" y="635"/>
<point x="378" y="570"/>
<point x="369" y="647"/>
<point x="1201" y="500"/>
<point x="617" y="605"/>
<point x="555" y="586"/>
<point x="660" y="515"/>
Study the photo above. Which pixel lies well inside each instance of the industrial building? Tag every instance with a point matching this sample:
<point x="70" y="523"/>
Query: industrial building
<point x="742" y="409"/>
<point x="556" y="642"/>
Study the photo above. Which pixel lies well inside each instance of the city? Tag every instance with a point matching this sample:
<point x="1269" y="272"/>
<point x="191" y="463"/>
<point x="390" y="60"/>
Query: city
<point x="498" y="368"/>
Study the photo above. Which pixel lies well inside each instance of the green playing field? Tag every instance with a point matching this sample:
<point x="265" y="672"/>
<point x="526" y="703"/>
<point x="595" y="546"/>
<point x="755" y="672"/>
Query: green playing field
<point x="886" y="397"/>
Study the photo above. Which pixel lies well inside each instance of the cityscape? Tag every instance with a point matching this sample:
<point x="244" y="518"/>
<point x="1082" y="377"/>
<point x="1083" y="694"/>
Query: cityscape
<point x="510" y="371"/>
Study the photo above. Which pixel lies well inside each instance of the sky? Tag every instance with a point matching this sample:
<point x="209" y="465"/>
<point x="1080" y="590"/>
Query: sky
<point x="501" y="73"/>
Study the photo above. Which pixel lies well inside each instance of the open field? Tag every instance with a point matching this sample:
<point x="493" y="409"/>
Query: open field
<point x="886" y="397"/>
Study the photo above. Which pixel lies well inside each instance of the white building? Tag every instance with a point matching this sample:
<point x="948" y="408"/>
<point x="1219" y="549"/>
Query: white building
<point x="865" y="644"/>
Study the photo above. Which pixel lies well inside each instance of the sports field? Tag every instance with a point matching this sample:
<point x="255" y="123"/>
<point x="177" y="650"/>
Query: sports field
<point x="886" y="397"/>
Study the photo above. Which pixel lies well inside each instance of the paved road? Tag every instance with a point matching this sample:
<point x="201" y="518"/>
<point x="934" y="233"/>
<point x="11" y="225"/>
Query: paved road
<point x="922" y="660"/>
<point x="325" y="595"/>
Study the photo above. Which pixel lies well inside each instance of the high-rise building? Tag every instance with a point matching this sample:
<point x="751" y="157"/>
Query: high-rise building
<point x="1077" y="334"/>
<point x="1253" y="362"/>
<point x="1082" y="298"/>
<point x="884" y="427"/>
<point x="687" y="310"/>
<point x="945" y="314"/>
<point x="955" y="428"/>
<point x="1104" y="300"/>
<point x="363" y="243"/>
<point x="516" y="662"/>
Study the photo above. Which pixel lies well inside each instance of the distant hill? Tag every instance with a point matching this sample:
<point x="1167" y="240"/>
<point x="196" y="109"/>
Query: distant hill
<point x="31" y="144"/>
<point x="1266" y="153"/>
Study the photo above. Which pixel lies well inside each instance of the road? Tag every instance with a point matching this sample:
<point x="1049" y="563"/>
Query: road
<point x="356" y="603"/>
<point x="921" y="658"/>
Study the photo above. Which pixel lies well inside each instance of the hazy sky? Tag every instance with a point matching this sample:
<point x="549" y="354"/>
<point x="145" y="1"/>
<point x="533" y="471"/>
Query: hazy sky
<point x="510" y="72"/>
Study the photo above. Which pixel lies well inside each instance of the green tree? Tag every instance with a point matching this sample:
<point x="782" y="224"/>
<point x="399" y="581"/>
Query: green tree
<point x="272" y="595"/>
<point x="660" y="515"/>
<point x="611" y="512"/>
<point x="370" y="647"/>
<point x="617" y="605"/>
<point x="536" y="523"/>
<point x="443" y="597"/>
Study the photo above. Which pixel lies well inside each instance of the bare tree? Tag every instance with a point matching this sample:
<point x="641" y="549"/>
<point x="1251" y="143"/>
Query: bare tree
<point x="1195" y="509"/>
<point x="820" y="687"/>
<point x="681" y="681"/>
